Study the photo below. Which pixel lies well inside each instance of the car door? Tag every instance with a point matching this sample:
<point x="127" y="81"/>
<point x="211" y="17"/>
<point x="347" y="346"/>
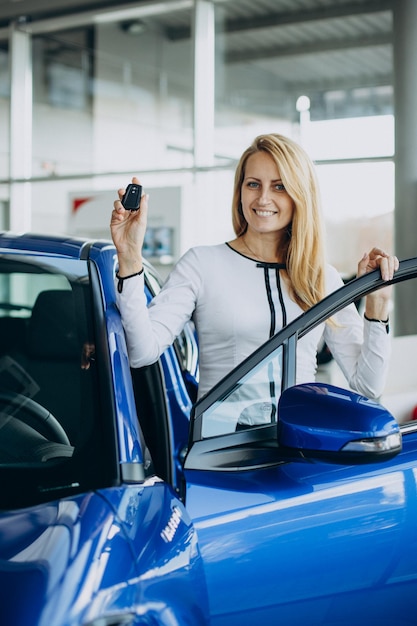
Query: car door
<point x="168" y="585"/>
<point x="292" y="535"/>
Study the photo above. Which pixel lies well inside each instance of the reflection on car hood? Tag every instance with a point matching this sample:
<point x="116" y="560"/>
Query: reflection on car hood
<point x="39" y="545"/>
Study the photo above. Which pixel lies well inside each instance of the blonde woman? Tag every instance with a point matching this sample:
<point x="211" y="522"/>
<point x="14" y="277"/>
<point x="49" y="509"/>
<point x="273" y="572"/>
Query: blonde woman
<point x="241" y="292"/>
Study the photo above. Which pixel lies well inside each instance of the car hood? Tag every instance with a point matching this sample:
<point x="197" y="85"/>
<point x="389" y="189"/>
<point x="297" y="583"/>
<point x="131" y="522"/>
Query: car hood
<point x="48" y="552"/>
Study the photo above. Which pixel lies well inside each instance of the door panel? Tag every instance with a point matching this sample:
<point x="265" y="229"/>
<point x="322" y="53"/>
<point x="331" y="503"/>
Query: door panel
<point x="309" y="542"/>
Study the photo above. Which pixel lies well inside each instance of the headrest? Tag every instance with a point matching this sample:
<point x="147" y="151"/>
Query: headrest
<point x="52" y="330"/>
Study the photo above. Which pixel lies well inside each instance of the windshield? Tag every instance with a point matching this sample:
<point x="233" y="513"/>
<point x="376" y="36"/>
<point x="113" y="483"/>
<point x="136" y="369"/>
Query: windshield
<point x="50" y="445"/>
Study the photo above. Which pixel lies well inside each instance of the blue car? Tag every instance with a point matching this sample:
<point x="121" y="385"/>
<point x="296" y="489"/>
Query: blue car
<point x="125" y="502"/>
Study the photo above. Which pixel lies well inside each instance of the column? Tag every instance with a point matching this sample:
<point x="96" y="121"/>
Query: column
<point x="203" y="31"/>
<point x="20" y="51"/>
<point x="405" y="97"/>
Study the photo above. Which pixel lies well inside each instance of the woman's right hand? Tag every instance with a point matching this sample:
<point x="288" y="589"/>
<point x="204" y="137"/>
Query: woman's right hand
<point x="128" y="232"/>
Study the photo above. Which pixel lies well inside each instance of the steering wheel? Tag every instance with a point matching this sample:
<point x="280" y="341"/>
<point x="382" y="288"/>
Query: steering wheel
<point x="34" y="415"/>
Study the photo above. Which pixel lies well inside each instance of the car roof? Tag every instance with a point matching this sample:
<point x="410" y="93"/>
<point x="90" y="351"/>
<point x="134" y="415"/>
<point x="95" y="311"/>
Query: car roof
<point x="71" y="247"/>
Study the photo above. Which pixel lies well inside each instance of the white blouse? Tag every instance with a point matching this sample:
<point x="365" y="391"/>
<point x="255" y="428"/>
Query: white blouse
<point x="236" y="304"/>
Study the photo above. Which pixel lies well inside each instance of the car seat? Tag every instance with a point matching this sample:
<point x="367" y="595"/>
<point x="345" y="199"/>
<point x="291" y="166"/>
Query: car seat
<point x="53" y="358"/>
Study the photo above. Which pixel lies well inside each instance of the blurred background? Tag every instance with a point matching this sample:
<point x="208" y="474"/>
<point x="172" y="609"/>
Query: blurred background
<point x="93" y="92"/>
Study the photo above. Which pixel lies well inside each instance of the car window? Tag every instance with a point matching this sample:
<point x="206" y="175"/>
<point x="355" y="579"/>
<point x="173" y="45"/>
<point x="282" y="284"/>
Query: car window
<point x="250" y="402"/>
<point x="49" y="400"/>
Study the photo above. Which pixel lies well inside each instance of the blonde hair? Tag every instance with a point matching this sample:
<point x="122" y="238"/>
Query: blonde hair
<point x="304" y="253"/>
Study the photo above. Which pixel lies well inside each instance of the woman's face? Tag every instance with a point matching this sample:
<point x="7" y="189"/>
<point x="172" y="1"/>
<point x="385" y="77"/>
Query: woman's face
<point x="266" y="205"/>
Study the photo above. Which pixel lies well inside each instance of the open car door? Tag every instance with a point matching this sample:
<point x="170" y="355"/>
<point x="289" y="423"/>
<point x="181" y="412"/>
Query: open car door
<point x="303" y="503"/>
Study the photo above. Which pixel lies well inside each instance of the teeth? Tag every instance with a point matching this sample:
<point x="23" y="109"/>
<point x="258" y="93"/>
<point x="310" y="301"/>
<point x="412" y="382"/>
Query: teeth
<point x="264" y="213"/>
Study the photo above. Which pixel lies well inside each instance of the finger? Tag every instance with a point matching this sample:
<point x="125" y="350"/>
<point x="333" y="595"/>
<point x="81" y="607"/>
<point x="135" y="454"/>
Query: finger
<point x="134" y="217"/>
<point x="387" y="266"/>
<point x="143" y="206"/>
<point x="362" y="265"/>
<point x="384" y="267"/>
<point x="118" y="206"/>
<point x="117" y="215"/>
<point x="376" y="252"/>
<point x="393" y="264"/>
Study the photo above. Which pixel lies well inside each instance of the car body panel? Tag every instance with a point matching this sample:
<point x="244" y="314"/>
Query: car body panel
<point x="92" y="543"/>
<point x="309" y="543"/>
<point x="231" y="529"/>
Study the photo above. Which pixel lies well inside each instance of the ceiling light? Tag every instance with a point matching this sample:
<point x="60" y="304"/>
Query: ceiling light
<point x="133" y="27"/>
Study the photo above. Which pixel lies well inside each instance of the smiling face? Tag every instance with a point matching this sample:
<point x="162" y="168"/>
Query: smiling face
<point x="266" y="205"/>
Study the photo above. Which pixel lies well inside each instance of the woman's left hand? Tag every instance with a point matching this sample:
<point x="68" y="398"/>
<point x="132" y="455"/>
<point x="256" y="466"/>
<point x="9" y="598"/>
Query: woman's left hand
<point x="377" y="303"/>
<point x="378" y="258"/>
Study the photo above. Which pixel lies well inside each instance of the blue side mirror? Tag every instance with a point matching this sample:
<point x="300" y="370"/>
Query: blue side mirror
<point x="324" y="422"/>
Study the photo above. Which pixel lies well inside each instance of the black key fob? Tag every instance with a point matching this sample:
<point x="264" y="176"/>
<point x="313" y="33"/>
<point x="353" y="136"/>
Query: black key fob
<point x="131" y="199"/>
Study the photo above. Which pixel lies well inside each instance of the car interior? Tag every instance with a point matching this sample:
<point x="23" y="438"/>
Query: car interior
<point x="49" y="400"/>
<point x="49" y="404"/>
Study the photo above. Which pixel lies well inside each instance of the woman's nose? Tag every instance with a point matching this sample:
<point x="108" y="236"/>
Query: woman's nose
<point x="264" y="197"/>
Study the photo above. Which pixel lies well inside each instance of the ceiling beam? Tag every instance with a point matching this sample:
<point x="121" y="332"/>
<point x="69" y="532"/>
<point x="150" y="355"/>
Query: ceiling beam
<point x="287" y="18"/>
<point x="342" y="84"/>
<point x="315" y="85"/>
<point x="330" y="45"/>
<point x="116" y="12"/>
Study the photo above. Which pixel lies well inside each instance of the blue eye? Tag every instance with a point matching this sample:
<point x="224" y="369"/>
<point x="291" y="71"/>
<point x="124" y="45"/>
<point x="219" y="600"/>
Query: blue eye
<point x="252" y="184"/>
<point x="279" y="187"/>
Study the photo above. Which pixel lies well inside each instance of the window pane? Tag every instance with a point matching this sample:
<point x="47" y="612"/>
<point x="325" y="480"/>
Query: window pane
<point x="251" y="402"/>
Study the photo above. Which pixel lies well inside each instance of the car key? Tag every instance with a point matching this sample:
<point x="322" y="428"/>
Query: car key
<point x="132" y="196"/>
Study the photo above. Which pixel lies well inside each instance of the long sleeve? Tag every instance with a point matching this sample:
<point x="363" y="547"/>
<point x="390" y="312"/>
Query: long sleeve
<point x="360" y="348"/>
<point x="150" y="330"/>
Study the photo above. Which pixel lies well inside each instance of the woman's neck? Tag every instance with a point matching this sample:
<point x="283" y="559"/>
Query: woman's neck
<point x="264" y="249"/>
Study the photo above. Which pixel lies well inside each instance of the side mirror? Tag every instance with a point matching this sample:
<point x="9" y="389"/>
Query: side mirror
<point x="324" y="422"/>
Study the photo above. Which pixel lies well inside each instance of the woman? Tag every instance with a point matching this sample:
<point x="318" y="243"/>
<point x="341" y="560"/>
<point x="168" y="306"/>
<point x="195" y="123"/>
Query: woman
<point x="242" y="292"/>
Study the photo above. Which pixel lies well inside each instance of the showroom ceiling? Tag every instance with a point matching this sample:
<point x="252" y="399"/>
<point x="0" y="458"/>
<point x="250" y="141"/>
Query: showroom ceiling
<point x="311" y="46"/>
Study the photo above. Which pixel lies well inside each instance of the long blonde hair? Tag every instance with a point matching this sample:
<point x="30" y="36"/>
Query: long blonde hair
<point x="304" y="254"/>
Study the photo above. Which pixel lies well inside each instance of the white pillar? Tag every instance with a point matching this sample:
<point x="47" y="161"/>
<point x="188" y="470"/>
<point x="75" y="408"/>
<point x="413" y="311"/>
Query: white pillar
<point x="20" y="51"/>
<point x="204" y="57"/>
<point x="203" y="221"/>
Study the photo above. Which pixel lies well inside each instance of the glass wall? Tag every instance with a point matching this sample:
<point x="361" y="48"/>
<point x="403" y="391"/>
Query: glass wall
<point x="355" y="164"/>
<point x="349" y="133"/>
<point x="109" y="97"/>
<point x="109" y="101"/>
<point x="117" y="98"/>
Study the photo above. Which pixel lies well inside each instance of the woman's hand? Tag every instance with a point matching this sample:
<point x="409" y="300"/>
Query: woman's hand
<point x="377" y="303"/>
<point x="378" y="258"/>
<point x="128" y="232"/>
